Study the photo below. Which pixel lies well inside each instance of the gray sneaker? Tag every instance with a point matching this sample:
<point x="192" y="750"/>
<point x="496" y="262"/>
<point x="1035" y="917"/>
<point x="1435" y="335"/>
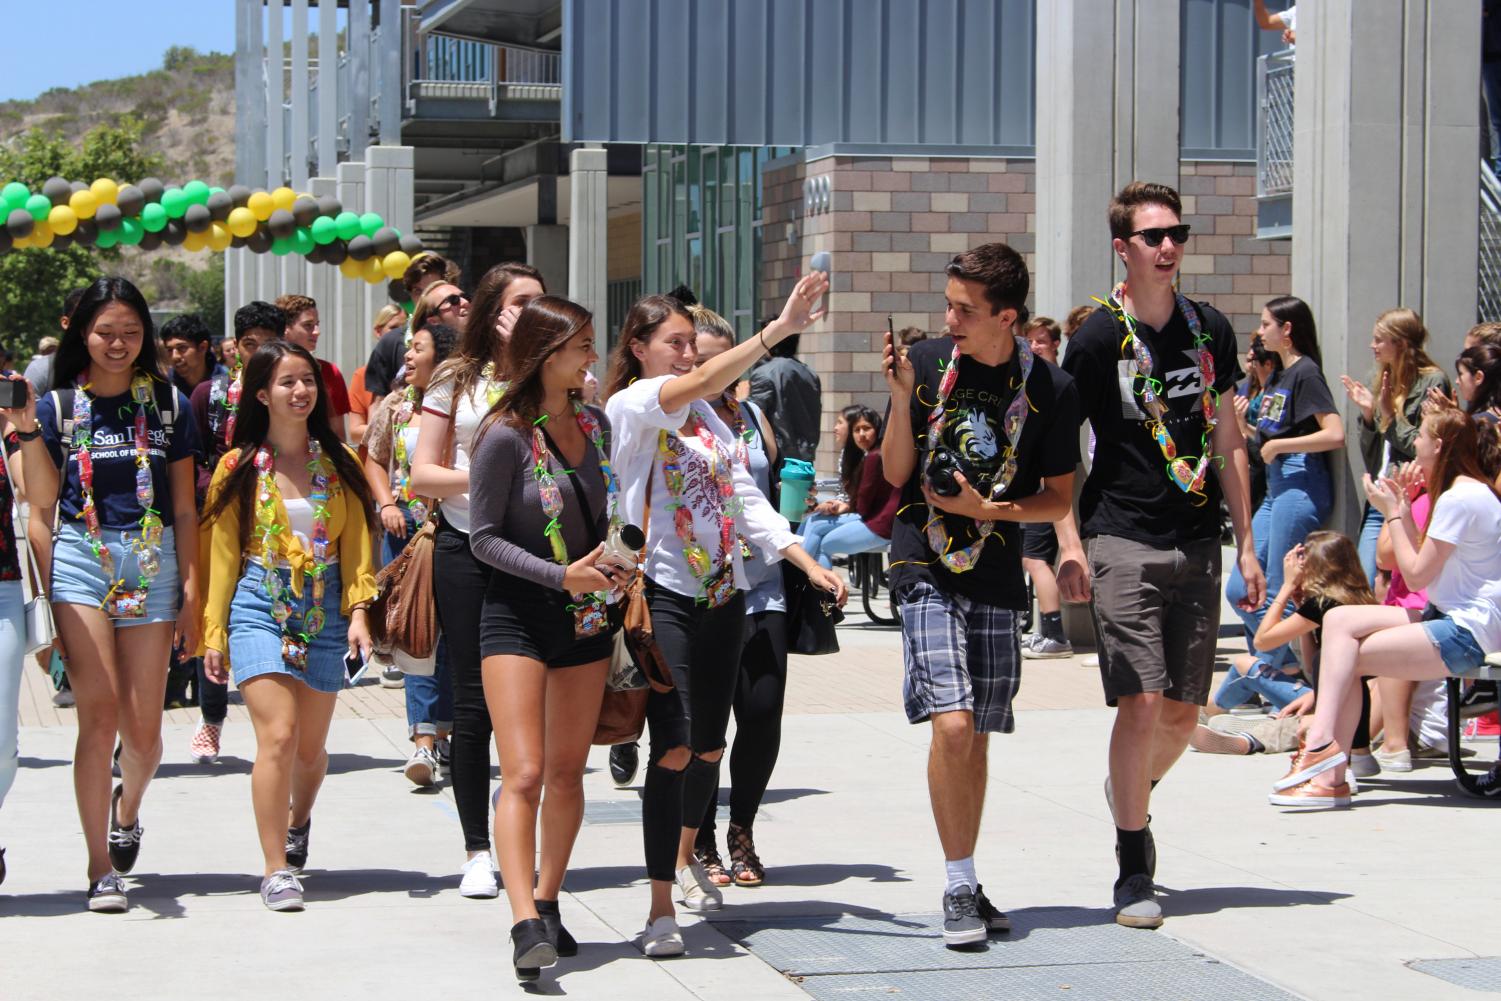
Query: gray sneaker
<point x="1047" y="648"/>
<point x="297" y="846"/>
<point x="962" y="924"/>
<point x="1136" y="903"/>
<point x="281" y="891"/>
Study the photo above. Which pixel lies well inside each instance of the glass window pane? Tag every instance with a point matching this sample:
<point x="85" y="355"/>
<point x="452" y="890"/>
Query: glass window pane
<point x="726" y="267"/>
<point x="747" y="247"/>
<point x="695" y="264"/>
<point x="727" y="163"/>
<point x="695" y="193"/>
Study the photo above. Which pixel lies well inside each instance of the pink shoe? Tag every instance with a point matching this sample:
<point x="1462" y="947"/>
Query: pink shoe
<point x="204" y="748"/>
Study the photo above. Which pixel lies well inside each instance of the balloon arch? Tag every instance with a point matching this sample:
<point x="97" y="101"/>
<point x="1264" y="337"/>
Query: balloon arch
<point x="148" y="214"/>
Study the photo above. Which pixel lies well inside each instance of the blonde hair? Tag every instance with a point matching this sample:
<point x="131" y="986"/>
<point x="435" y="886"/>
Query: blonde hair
<point x="1332" y="571"/>
<point x="706" y="321"/>
<point x="1404" y="328"/>
<point x="388" y="312"/>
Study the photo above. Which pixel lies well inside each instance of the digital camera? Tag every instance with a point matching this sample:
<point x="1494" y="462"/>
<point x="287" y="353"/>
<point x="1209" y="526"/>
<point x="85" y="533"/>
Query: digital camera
<point x="942" y="465"/>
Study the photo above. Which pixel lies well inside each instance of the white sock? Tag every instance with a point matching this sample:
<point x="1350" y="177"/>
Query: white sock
<point x="961" y="872"/>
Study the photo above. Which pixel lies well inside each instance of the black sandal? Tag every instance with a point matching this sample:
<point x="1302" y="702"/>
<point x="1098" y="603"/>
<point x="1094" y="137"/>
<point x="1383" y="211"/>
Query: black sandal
<point x="745" y="865"/>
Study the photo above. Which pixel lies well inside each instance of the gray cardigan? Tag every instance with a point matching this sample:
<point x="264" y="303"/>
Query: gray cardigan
<point x="1403" y="430"/>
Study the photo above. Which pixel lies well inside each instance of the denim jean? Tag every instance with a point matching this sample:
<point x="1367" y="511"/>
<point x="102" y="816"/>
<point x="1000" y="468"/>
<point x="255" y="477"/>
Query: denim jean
<point x="429" y="697"/>
<point x="845" y="535"/>
<point x="12" y="659"/>
<point x="1370" y="532"/>
<point x="816" y="526"/>
<point x="1270" y="683"/>
<point x="1298" y="499"/>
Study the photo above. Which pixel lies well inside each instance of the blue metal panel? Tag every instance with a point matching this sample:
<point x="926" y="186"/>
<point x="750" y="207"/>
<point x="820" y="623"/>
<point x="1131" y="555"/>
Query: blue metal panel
<point x="1221" y="43"/>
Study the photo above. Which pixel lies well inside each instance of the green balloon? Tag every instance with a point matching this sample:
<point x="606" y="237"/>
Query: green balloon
<point x="370" y="223"/>
<point x="154" y="218"/>
<point x="196" y="191"/>
<point x="281" y="246"/>
<point x="107" y="238"/>
<point x="175" y="202"/>
<point x="216" y="191"/>
<point x="38" y="206"/>
<point x="348" y="225"/>
<point x="302" y="241"/>
<point x="15" y="194"/>
<point x="131" y="231"/>
<point x="324" y="230"/>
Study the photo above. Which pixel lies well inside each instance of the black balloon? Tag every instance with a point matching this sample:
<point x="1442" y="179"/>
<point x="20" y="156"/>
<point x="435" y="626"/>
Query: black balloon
<point x="86" y="233"/>
<point x="107" y="217"/>
<point x="150" y="240"/>
<point x="330" y="206"/>
<point x="5" y="240"/>
<point x="258" y="242"/>
<point x="76" y="186"/>
<point x="57" y="190"/>
<point x="152" y="188"/>
<point x="218" y="205"/>
<point x="282" y="223"/>
<point x="335" y="253"/>
<point x="174" y="232"/>
<point x="386" y="240"/>
<point x="411" y="244"/>
<point x="239" y="195"/>
<point x="237" y="242"/>
<point x="304" y="211"/>
<point x="361" y="248"/>
<point x="197" y="218"/>
<point x="130" y="200"/>
<point x="19" y="223"/>
<point x="315" y="256"/>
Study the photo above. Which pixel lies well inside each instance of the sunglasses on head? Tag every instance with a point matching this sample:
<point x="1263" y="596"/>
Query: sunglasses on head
<point x="1153" y="237"/>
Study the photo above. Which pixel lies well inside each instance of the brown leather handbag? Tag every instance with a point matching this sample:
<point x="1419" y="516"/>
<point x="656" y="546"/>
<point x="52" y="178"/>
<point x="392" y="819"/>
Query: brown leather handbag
<point x="404" y="615"/>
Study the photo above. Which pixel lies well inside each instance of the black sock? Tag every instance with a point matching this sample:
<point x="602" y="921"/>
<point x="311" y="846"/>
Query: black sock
<point x="1133" y="852"/>
<point x="1154" y="783"/>
<point x="1316" y="750"/>
<point x="1052" y="626"/>
<point x="1256" y="746"/>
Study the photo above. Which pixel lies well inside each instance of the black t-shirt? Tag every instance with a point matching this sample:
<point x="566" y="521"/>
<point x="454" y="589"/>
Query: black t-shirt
<point x="1293" y="400"/>
<point x="1129" y="492"/>
<point x="385" y="361"/>
<point x="1049" y="446"/>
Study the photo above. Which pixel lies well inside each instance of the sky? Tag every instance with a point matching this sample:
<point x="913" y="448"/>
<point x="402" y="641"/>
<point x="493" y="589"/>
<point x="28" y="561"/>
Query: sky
<point x="80" y="41"/>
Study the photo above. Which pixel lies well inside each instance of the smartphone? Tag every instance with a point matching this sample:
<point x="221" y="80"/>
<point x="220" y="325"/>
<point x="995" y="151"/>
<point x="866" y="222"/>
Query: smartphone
<point x="13" y="393"/>
<point x="355" y="666"/>
<point x="822" y="261"/>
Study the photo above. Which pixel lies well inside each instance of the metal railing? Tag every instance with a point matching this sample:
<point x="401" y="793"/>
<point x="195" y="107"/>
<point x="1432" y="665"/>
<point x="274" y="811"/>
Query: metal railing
<point x="1489" y="263"/>
<point x="1274" y="124"/>
<point x="451" y="66"/>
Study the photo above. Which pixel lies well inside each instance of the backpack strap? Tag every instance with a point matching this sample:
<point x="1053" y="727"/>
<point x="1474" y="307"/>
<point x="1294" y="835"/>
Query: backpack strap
<point x="62" y="418"/>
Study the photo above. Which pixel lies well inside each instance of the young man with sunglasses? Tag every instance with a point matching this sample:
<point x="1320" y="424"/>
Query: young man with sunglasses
<point x="1156" y="376"/>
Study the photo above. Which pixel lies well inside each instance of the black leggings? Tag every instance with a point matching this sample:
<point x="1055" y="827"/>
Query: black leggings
<point x="702" y="647"/>
<point x="759" y="696"/>
<point x="461" y="581"/>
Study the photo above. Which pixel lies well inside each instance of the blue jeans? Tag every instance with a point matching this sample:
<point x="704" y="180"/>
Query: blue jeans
<point x="841" y="536"/>
<point x="1370" y="532"/>
<point x="1270" y="683"/>
<point x="1298" y="499"/>
<point x="429" y="697"/>
<point x="12" y="659"/>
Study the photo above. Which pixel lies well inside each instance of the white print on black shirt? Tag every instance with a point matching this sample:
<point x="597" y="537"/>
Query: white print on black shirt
<point x="1187" y="381"/>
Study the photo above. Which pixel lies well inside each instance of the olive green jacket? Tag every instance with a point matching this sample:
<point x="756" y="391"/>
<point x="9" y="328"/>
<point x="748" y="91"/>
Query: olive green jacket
<point x="1403" y="430"/>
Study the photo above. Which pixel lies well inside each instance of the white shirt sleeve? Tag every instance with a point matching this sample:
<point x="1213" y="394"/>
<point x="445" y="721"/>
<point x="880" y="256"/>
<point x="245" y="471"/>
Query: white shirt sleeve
<point x="1290" y="18"/>
<point x="1451" y="516"/>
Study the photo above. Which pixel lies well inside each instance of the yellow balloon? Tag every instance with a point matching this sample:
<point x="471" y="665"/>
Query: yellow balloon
<point x="261" y="205"/>
<point x="348" y="267"/>
<point x="395" y="264"/>
<point x="62" y="219"/>
<point x="22" y="242"/>
<point x="195" y="241"/>
<point x="41" y="235"/>
<point x="105" y="190"/>
<point x="373" y="272"/>
<point x="84" y="203"/>
<point x="284" y="198"/>
<point x="241" y="222"/>
<point x="219" y="236"/>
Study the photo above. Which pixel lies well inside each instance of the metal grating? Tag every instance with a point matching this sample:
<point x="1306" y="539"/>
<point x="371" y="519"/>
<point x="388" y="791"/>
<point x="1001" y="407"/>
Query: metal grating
<point x="1489" y="298"/>
<point x="1481" y="973"/>
<point x="1274" y="124"/>
<point x="1194" y="980"/>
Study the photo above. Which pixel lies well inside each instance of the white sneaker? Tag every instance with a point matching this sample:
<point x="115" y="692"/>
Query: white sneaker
<point x="479" y="878"/>
<point x="699" y="892"/>
<point x="662" y="938"/>
<point x="422" y="767"/>
<point x="1045" y="648"/>
<point x="1394" y="761"/>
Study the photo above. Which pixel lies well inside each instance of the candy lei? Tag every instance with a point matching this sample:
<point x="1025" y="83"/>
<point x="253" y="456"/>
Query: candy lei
<point x="1189" y="472"/>
<point x="403" y="470"/>
<point x="268" y="527"/>
<point x="148" y="547"/>
<point x="232" y="401"/>
<point x="963" y="560"/>
<point x="552" y="497"/>
<point x="712" y="582"/>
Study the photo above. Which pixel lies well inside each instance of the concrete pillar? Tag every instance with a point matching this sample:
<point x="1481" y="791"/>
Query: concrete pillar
<point x="358" y="40"/>
<point x="250" y="93"/>
<point x="299" y="75"/>
<point x="389" y="187"/>
<point x="328" y="89"/>
<point x="323" y="284"/>
<point x="388" y="72"/>
<point x="547" y="251"/>
<point x="275" y="113"/>
<point x="350" y="294"/>
<point x="589" y="223"/>
<point x="1385" y="147"/>
<point x="1097" y="131"/>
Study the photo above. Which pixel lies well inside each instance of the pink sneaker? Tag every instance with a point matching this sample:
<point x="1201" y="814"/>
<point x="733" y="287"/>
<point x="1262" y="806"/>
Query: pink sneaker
<point x="204" y="748"/>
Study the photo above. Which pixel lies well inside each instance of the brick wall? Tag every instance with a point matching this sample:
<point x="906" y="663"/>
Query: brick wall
<point x="1226" y="265"/>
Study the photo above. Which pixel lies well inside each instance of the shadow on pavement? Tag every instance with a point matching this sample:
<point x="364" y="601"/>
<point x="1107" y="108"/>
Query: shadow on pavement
<point x="43" y="762"/>
<point x="1213" y="899"/>
<point x="583" y="880"/>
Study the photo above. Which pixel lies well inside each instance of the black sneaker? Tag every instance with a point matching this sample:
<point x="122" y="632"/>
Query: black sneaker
<point x="1136" y="902"/>
<point x="297" y="841"/>
<point x="564" y="943"/>
<point x="624" y="760"/>
<point x="962" y="924"/>
<point x="124" y="842"/>
<point x="534" y="949"/>
<point x="107" y="895"/>
<point x="995" y="919"/>
<point x="1488" y="786"/>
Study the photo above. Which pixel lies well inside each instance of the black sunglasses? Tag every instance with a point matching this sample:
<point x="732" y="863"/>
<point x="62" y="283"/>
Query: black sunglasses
<point x="1153" y="237"/>
<point x="453" y="301"/>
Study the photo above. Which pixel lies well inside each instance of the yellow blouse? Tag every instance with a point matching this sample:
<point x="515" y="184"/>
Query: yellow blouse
<point x="223" y="561"/>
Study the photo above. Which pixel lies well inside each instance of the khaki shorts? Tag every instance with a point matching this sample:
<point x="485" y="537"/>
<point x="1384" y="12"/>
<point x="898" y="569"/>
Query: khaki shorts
<point x="1156" y="616"/>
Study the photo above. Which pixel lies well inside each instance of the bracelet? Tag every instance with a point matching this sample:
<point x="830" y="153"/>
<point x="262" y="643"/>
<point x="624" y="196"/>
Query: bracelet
<point x="1395" y="517"/>
<point x="31" y="435"/>
<point x="762" y="335"/>
<point x="389" y="504"/>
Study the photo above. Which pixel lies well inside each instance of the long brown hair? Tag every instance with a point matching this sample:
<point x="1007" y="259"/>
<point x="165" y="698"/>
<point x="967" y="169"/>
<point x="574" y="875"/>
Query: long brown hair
<point x="1332" y="572"/>
<point x="1458" y="451"/>
<point x="479" y="345"/>
<point x="545" y="325"/>
<point x="646" y="315"/>
<point x="1404" y="328"/>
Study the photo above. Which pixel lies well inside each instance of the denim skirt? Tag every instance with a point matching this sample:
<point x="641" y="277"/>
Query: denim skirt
<point x="78" y="579"/>
<point x="255" y="646"/>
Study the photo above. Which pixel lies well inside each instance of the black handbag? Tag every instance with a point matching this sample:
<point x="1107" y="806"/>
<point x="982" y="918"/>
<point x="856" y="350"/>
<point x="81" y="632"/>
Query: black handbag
<point x="812" y="614"/>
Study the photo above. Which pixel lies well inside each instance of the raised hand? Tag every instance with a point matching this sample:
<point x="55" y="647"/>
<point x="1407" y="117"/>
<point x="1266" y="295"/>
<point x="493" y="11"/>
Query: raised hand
<point x="799" y="313"/>
<point x="896" y="369"/>
<point x="1360" y="395"/>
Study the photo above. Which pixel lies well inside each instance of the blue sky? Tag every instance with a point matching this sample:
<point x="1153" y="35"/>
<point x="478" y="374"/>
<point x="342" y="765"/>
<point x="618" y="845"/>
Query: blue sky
<point x="79" y="41"/>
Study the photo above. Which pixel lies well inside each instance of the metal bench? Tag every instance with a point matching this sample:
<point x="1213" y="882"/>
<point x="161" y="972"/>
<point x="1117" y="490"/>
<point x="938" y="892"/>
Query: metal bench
<point x="868" y="576"/>
<point x="1490" y="672"/>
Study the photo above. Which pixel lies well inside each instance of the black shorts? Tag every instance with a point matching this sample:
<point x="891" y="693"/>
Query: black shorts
<point x="1039" y="542"/>
<point x="521" y="619"/>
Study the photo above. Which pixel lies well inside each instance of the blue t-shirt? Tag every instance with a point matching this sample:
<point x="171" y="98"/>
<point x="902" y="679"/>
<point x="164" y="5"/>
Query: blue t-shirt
<point x="114" y="455"/>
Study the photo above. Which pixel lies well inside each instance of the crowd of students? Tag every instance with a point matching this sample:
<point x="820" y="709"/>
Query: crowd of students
<point x="231" y="511"/>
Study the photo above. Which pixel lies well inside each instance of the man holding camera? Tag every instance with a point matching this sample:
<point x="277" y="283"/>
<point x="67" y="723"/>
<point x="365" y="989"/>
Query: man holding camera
<point x="1155" y="374"/>
<point x="981" y="436"/>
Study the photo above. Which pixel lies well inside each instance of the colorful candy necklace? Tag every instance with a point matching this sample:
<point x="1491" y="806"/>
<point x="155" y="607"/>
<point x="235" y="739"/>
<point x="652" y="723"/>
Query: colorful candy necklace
<point x="1189" y="472"/>
<point x="716" y="586"/>
<point x="402" y="474"/>
<point x="121" y="602"/>
<point x="294" y="643"/>
<point x="964" y="560"/>
<point x="495" y="387"/>
<point x="588" y="609"/>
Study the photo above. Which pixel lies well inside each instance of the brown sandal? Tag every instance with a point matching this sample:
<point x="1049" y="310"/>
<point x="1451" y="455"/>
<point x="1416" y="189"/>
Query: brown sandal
<point x="708" y="857"/>
<point x="745" y="865"/>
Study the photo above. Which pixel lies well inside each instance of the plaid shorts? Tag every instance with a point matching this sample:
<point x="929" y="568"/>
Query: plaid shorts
<point x="959" y="655"/>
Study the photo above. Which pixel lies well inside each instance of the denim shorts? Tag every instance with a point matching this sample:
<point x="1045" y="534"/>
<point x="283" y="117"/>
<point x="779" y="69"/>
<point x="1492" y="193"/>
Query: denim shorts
<point x="1455" y="644"/>
<point x="255" y="637"/>
<point x="78" y="579"/>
